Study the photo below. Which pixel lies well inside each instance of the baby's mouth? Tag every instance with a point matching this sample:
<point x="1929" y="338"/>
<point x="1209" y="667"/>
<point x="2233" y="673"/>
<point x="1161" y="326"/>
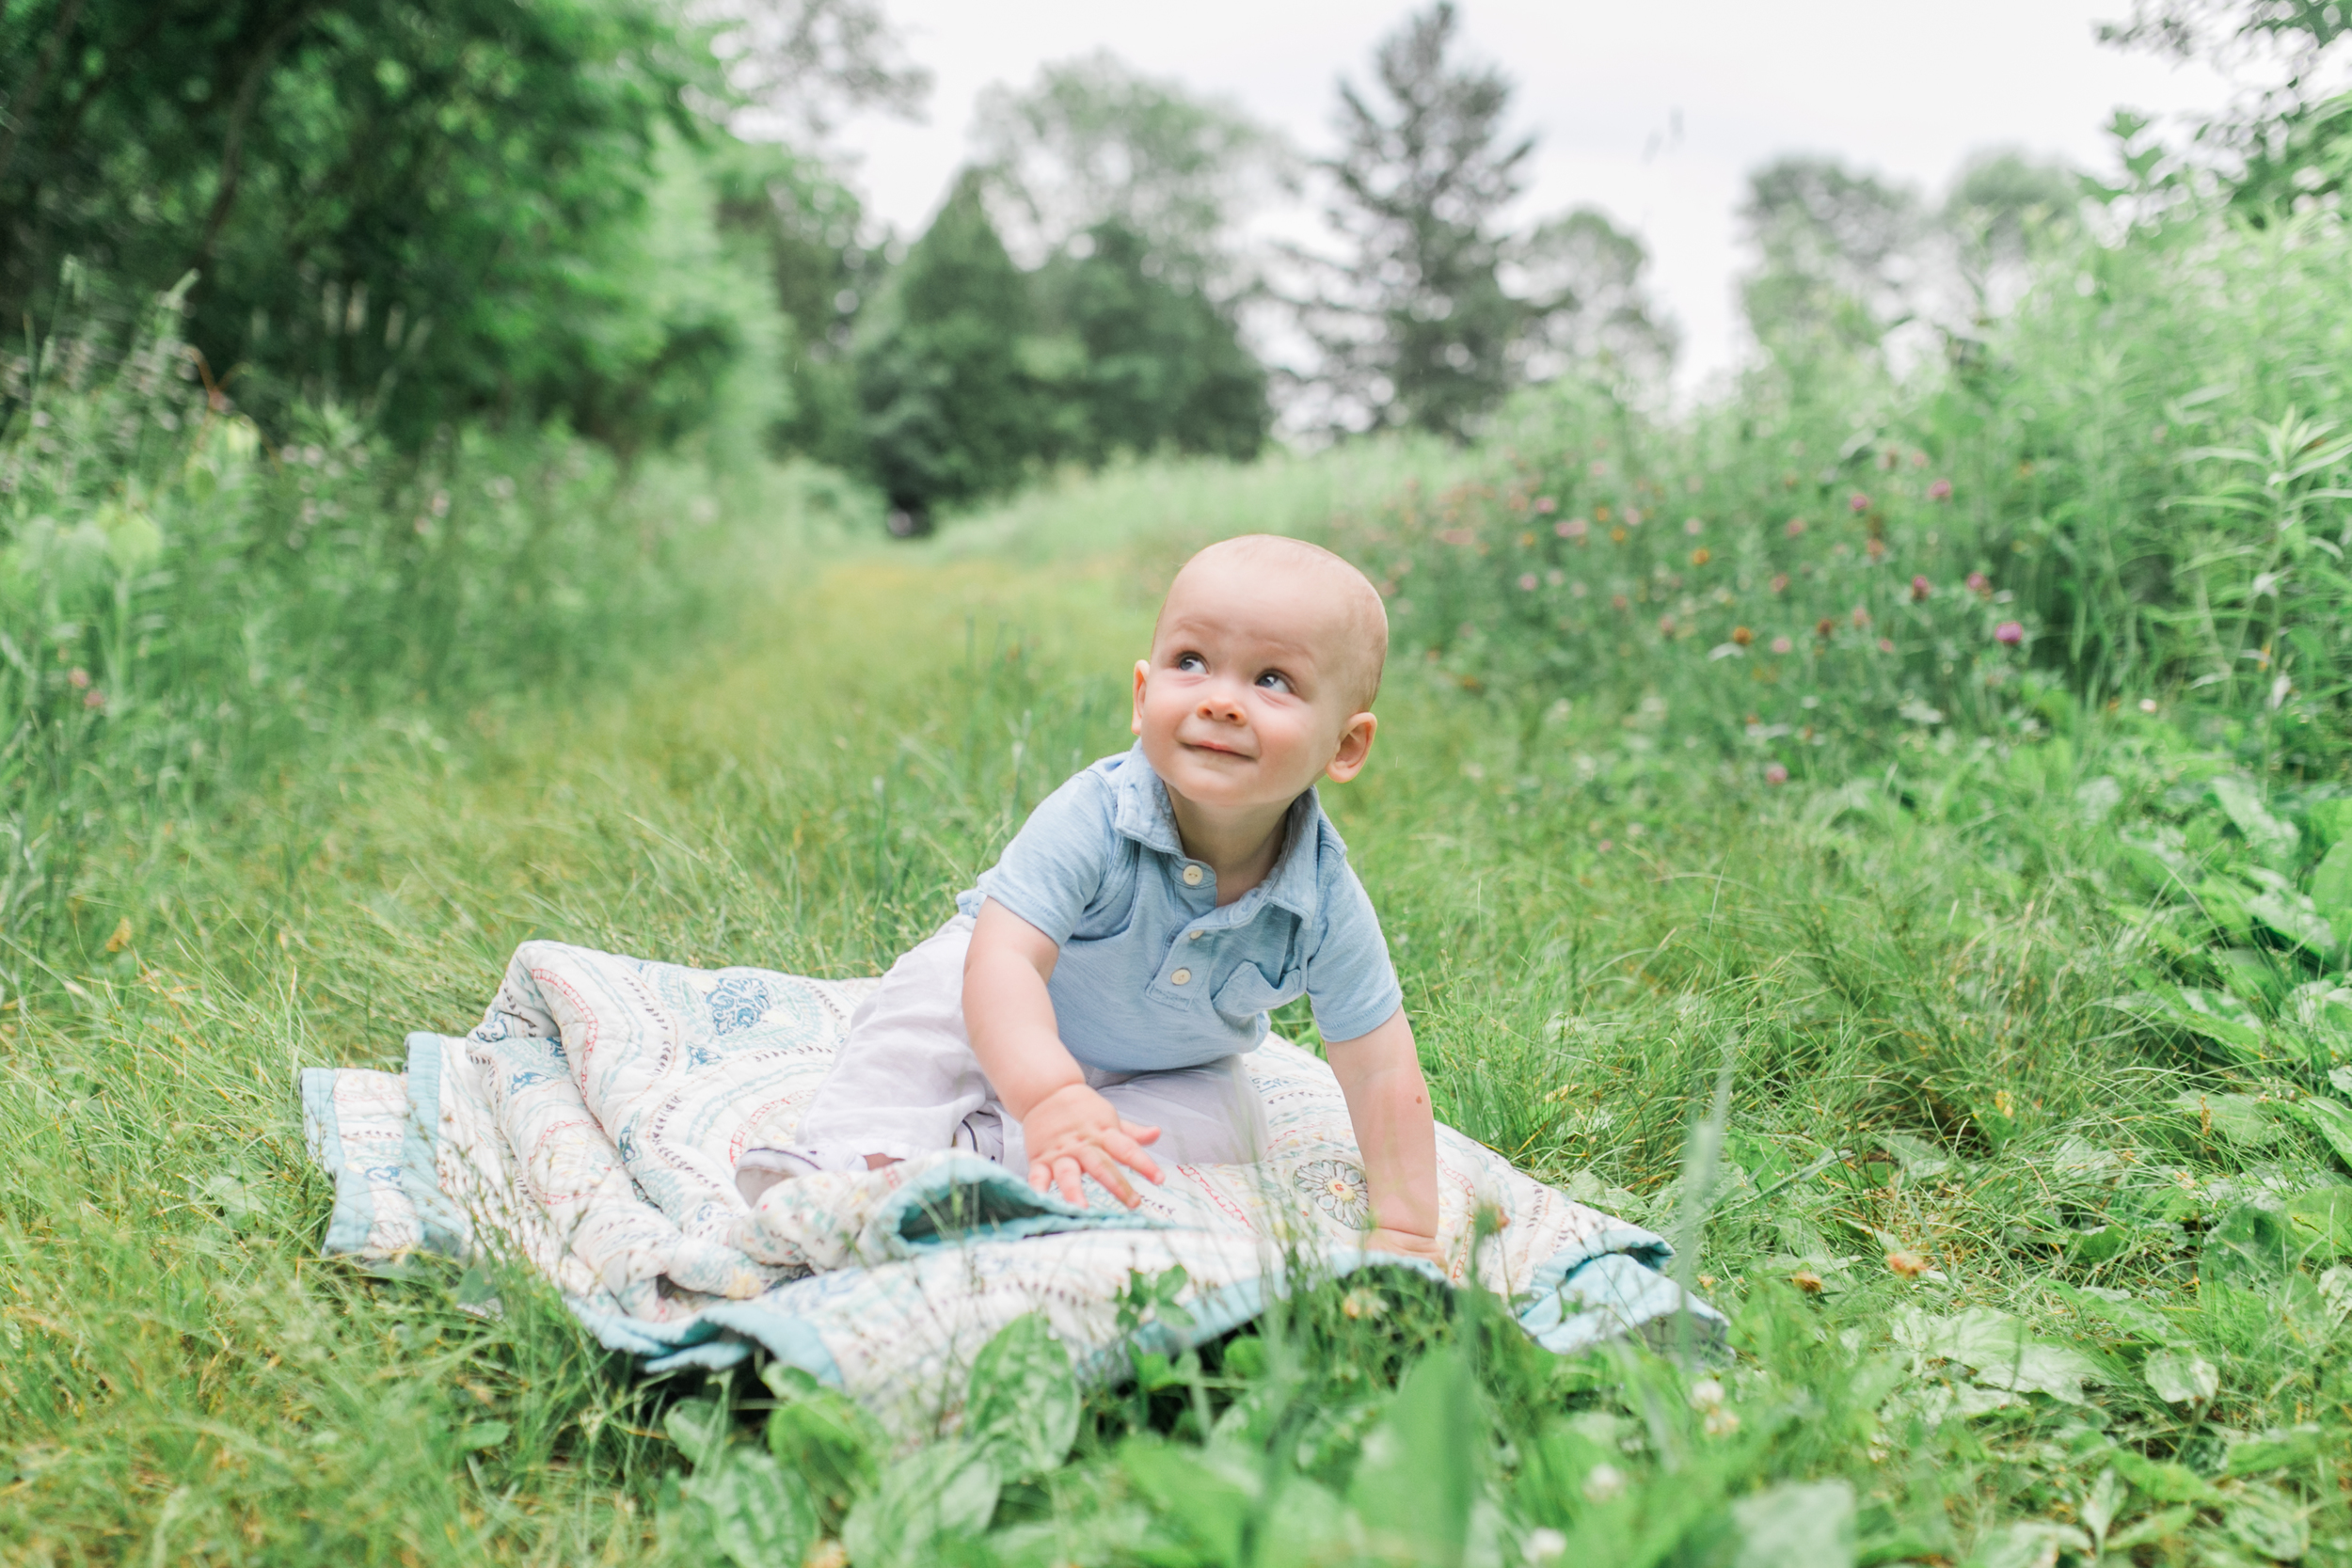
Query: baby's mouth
<point x="1214" y="749"/>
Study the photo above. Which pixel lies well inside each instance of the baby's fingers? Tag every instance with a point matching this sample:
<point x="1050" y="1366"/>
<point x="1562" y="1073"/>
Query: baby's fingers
<point x="1123" y="1149"/>
<point x="1100" y="1165"/>
<point x="1139" y="1132"/>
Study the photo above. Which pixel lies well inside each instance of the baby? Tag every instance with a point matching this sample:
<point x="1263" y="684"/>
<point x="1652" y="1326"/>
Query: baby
<point x="1090" y="1003"/>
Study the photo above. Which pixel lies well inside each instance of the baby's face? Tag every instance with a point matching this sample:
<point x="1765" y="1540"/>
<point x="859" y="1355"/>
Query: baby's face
<point x="1254" y="687"/>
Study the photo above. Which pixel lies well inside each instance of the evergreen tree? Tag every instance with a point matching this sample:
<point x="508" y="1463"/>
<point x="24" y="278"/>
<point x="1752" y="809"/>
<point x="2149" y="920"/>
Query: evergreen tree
<point x="951" y="411"/>
<point x="1159" y="365"/>
<point x="1437" y="308"/>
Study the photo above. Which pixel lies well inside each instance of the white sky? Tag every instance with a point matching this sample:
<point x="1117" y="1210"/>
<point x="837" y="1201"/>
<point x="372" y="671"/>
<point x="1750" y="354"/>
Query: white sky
<point x="1899" y="86"/>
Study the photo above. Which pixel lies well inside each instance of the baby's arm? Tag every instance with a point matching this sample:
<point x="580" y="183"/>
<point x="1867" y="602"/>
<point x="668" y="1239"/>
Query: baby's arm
<point x="1389" y="1102"/>
<point x="1068" y="1128"/>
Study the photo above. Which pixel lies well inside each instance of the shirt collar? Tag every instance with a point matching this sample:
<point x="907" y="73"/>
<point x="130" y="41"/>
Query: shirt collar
<point x="1143" y="814"/>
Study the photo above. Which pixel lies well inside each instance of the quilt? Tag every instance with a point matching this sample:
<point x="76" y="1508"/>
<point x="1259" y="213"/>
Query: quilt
<point x="589" y="1126"/>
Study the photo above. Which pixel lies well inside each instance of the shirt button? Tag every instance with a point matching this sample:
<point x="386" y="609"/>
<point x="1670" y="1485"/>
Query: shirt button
<point x="1181" y="977"/>
<point x="1192" y="876"/>
<point x="1198" y="935"/>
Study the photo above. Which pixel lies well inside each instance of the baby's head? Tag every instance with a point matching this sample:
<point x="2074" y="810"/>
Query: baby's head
<point x="1263" y="667"/>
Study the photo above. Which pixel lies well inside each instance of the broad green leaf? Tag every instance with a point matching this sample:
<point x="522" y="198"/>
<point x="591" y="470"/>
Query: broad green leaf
<point x="2332" y="1121"/>
<point x="759" y="1516"/>
<point x="698" y="1426"/>
<point x="2249" y="1246"/>
<point x="483" y="1434"/>
<point x="2031" y="1543"/>
<point x="2292" y="915"/>
<point x="1023" y="1405"/>
<point x="2262" y="1520"/>
<point x="2275" y="1450"/>
<point x="2161" y="1481"/>
<point x="2003" y="1355"/>
<point x="1417" y="1478"/>
<point x="1307" y="1526"/>
<point x="823" y="1436"/>
<point x="2331" y="821"/>
<point x="2320" y="1221"/>
<point x="2240" y="1118"/>
<point x="1212" y="1494"/>
<point x="2119" y="1315"/>
<point x="2332" y="883"/>
<point x="2180" y="1376"/>
<point x="946" y="1491"/>
<point x="1797" y="1525"/>
<point x="2161" y="1526"/>
<point x="2269" y="837"/>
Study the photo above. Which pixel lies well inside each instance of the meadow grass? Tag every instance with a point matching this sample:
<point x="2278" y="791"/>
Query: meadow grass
<point x="1905" y="970"/>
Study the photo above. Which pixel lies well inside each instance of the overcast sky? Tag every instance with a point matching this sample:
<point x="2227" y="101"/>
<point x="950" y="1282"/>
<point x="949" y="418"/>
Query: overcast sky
<point x="1653" y="112"/>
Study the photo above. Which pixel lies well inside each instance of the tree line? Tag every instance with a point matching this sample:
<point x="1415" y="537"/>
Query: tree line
<point x="623" y="215"/>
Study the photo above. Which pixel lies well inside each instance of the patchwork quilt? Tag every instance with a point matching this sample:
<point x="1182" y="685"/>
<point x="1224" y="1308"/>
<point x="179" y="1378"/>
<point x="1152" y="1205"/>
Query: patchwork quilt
<point x="590" y="1124"/>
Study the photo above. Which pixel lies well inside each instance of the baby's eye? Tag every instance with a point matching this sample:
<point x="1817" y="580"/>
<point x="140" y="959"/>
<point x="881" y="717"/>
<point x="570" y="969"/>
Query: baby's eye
<point x="1192" y="664"/>
<point x="1274" y="680"/>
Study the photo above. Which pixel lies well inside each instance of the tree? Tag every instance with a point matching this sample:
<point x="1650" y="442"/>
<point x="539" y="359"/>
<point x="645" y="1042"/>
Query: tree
<point x="429" y="210"/>
<point x="1094" y="143"/>
<point x="2004" y="211"/>
<point x="1158" y="363"/>
<point x="1416" y="323"/>
<point x="1839" y="256"/>
<point x="951" y="409"/>
<point x="2288" y="140"/>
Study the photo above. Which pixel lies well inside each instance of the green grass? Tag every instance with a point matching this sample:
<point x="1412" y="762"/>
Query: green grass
<point x="1906" y="971"/>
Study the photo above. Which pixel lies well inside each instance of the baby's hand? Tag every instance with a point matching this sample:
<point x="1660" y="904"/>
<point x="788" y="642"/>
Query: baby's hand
<point x="1405" y="1243"/>
<point x="1073" y="1131"/>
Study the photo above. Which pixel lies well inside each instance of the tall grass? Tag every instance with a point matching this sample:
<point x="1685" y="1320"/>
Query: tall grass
<point x="187" y="603"/>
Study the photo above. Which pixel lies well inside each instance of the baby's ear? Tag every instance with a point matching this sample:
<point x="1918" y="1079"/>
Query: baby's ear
<point x="1354" y="746"/>
<point x="1134" y="721"/>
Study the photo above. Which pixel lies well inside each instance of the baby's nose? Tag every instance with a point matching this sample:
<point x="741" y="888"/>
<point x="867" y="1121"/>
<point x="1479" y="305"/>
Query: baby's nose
<point x="1217" y="705"/>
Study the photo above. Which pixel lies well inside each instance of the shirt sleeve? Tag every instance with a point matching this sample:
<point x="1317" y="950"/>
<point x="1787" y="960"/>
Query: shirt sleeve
<point x="1055" y="864"/>
<point x="1349" y="980"/>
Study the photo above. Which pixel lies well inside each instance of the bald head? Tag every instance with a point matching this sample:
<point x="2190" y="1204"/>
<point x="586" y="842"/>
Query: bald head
<point x="1321" y="597"/>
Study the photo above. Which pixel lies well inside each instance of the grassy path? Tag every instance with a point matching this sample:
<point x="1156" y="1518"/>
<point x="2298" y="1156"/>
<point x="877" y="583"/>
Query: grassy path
<point x="1581" y="931"/>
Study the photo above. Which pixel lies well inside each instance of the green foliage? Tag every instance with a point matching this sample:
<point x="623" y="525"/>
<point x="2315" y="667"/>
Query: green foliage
<point x="1415" y="324"/>
<point x="952" y="410"/>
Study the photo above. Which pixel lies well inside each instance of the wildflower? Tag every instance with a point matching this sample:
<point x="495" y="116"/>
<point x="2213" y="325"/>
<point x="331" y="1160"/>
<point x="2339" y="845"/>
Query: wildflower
<point x="1861" y="616"/>
<point x="1666" y="625"/>
<point x="1775" y="774"/>
<point x="1598" y="469"/>
<point x="1875" y="549"/>
<point x="1796" y="526"/>
<point x="1886" y="644"/>
<point x="1908" y="1264"/>
<point x="1555" y="577"/>
<point x="1361" y="1303"/>
<point x="2009" y="633"/>
<point x="94" y="699"/>
<point x="1822" y="628"/>
<point x="1701" y="556"/>
<point x="1940" y="490"/>
<point x="1781" y="645"/>
<point x="1706" y="1394"/>
<point x="1720" y="1422"/>
<point x="1526" y="540"/>
<point x="1577" y="590"/>
<point x="2146" y="705"/>
<point x="1633" y="517"/>
<point x="1544" y="1543"/>
<point x="1545" y="503"/>
<point x="1572" y="528"/>
<point x="1921" y="588"/>
<point x="1742" y="636"/>
<point x="1526" y="583"/>
<point x="1807" y="1281"/>
<point x="1980" y="583"/>
<point x="1619" y="602"/>
<point x="1780" y="582"/>
<point x="1693" y="527"/>
<point x="1858" y="502"/>
<point x="1603" y="1481"/>
<point x="1617" y="536"/>
<point x="1601" y="512"/>
<point x="77" y="678"/>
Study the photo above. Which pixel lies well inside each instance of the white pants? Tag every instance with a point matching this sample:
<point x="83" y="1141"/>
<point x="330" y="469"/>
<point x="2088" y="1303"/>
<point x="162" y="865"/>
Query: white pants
<point x="906" y="1082"/>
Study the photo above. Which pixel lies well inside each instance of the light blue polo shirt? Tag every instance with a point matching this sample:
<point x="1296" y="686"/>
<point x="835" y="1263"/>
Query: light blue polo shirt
<point x="1153" y="976"/>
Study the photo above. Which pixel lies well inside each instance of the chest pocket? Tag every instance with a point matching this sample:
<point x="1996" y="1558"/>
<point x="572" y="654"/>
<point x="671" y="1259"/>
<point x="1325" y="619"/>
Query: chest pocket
<point x="1247" y="990"/>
